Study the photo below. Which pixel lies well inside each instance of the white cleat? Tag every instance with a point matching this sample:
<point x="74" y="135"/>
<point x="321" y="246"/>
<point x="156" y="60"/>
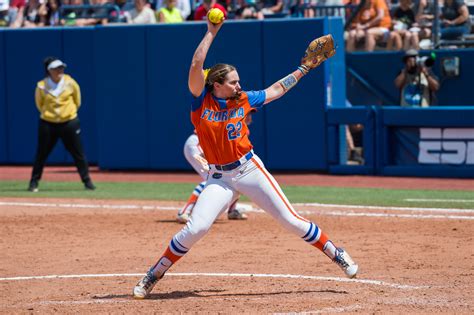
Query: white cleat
<point x="182" y="218"/>
<point x="143" y="288"/>
<point x="343" y="260"/>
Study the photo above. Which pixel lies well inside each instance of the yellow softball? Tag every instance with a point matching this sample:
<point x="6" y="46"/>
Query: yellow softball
<point x="215" y="15"/>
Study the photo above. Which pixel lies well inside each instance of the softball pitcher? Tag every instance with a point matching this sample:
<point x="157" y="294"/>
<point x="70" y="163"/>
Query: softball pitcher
<point x="218" y="114"/>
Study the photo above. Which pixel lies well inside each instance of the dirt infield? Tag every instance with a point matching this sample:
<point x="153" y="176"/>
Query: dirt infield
<point x="415" y="263"/>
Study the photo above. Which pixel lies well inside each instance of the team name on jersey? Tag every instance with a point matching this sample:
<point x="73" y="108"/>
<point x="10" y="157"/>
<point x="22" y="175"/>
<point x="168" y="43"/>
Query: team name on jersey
<point x="223" y="115"/>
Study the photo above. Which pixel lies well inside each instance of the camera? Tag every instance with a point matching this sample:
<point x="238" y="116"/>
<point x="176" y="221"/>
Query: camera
<point x="426" y="61"/>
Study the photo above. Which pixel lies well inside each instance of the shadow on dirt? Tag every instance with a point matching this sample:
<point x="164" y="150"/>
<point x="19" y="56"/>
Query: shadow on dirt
<point x="175" y="295"/>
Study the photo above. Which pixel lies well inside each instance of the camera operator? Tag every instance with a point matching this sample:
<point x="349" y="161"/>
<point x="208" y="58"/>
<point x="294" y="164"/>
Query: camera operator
<point x="416" y="82"/>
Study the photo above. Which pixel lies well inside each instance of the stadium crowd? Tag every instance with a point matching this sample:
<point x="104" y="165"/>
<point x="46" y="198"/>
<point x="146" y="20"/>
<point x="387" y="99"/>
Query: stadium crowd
<point x="371" y="24"/>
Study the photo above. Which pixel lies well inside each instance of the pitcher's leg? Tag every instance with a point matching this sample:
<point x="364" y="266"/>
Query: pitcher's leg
<point x="260" y="186"/>
<point x="236" y="211"/>
<point x="214" y="199"/>
<point x="185" y="212"/>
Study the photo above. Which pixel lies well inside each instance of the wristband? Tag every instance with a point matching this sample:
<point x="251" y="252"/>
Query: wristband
<point x="304" y="70"/>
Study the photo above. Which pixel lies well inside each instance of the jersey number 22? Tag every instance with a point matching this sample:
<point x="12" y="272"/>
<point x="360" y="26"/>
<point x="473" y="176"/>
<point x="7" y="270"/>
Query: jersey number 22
<point x="233" y="130"/>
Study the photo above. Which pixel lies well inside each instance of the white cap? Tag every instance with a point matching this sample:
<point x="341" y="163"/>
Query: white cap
<point x="56" y="64"/>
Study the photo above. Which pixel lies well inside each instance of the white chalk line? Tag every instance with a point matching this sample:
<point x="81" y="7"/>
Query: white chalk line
<point x="414" y="209"/>
<point x="226" y="275"/>
<point x="341" y="309"/>
<point x="247" y="207"/>
<point x="303" y="212"/>
<point x="440" y="200"/>
<point x="388" y="215"/>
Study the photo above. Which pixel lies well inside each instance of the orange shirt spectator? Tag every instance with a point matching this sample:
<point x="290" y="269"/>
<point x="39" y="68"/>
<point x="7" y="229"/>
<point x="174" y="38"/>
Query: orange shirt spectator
<point x="369" y="12"/>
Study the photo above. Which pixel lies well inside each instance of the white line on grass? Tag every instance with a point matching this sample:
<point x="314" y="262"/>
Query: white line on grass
<point x="225" y="275"/>
<point x="440" y="200"/>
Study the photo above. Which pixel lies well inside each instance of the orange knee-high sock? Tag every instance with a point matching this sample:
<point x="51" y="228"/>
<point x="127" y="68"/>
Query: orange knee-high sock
<point x="165" y="262"/>
<point x="192" y="199"/>
<point x="321" y="242"/>
<point x="172" y="257"/>
<point x="326" y="246"/>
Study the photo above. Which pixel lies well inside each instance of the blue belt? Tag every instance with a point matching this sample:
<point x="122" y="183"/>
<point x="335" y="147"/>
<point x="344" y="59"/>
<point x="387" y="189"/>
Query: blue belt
<point x="234" y="165"/>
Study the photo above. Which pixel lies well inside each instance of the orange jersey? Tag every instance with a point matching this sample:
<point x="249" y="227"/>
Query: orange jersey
<point x="220" y="125"/>
<point x="369" y="12"/>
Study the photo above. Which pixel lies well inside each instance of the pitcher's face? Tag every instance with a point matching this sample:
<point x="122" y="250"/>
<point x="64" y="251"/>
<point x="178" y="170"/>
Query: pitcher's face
<point x="230" y="88"/>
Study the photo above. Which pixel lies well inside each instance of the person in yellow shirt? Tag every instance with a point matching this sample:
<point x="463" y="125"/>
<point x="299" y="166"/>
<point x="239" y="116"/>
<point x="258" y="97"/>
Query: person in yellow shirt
<point x="58" y="98"/>
<point x="169" y="13"/>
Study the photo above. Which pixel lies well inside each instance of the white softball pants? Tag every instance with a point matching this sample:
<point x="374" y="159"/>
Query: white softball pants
<point x="223" y="188"/>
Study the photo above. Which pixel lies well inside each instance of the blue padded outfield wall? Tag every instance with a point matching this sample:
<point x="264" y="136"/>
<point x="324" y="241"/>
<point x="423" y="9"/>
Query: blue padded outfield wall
<point x="3" y="108"/>
<point x="135" y="111"/>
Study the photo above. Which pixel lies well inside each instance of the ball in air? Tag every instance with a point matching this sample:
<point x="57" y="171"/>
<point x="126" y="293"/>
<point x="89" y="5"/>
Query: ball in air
<point x="215" y="15"/>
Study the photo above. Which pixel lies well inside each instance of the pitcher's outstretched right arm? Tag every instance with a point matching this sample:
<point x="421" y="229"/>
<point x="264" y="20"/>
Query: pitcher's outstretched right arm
<point x="196" y="77"/>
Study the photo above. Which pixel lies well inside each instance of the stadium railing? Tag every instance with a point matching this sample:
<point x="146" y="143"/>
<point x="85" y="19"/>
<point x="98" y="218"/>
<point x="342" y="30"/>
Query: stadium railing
<point x="107" y="11"/>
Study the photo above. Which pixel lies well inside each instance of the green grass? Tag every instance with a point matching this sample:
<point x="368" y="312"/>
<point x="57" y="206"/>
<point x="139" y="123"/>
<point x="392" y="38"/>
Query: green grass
<point x="296" y="194"/>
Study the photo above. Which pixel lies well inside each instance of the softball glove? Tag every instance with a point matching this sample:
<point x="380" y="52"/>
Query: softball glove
<point x="318" y="51"/>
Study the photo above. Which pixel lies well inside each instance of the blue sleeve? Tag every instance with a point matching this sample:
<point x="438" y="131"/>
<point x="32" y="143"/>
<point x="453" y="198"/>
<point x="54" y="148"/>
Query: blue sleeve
<point x="256" y="98"/>
<point x="197" y="101"/>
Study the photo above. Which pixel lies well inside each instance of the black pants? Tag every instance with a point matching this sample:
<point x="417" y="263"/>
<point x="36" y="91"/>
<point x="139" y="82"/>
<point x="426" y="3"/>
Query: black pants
<point x="69" y="133"/>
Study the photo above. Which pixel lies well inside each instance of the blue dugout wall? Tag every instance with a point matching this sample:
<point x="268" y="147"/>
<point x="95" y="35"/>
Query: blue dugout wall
<point x="135" y="112"/>
<point x="430" y="142"/>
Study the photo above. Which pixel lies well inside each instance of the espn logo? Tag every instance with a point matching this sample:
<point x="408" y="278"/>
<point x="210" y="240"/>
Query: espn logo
<point x="446" y="146"/>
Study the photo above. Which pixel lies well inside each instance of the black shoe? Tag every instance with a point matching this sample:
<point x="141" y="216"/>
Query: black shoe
<point x="33" y="187"/>
<point x="89" y="185"/>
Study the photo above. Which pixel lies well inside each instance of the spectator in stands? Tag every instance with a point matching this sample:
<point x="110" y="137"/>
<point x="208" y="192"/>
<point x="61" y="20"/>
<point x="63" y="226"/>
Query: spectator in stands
<point x="52" y="17"/>
<point x="34" y="14"/>
<point x="424" y="18"/>
<point x="100" y="15"/>
<point x="69" y="17"/>
<point x="270" y="7"/>
<point x="58" y="98"/>
<point x="184" y="6"/>
<point x="97" y="16"/>
<point x="141" y="14"/>
<point x="170" y="13"/>
<point x="16" y="11"/>
<point x="403" y="33"/>
<point x="455" y="20"/>
<point x="120" y="16"/>
<point x="416" y="82"/>
<point x="303" y="8"/>
<point x="248" y="9"/>
<point x="4" y="13"/>
<point x="372" y="24"/>
<point x="201" y="11"/>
